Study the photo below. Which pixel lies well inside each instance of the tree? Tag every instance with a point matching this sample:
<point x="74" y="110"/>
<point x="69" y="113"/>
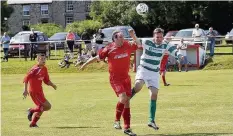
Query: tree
<point x="169" y="15"/>
<point x="5" y="14"/>
<point x="91" y="26"/>
<point x="49" y="28"/>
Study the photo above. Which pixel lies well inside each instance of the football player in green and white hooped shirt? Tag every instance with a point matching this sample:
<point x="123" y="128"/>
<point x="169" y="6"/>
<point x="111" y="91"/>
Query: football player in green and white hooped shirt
<point x="148" y="70"/>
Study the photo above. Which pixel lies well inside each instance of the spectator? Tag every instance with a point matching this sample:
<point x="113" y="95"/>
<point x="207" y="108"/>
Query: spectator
<point x="87" y="40"/>
<point x="70" y="39"/>
<point x="5" y="40"/>
<point x="99" y="37"/>
<point x="197" y="33"/>
<point x="182" y="47"/>
<point x="33" y="38"/>
<point x="211" y="37"/>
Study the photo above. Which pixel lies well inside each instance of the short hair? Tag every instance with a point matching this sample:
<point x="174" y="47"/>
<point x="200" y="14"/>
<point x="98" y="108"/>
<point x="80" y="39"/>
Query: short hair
<point x="196" y="25"/>
<point x="114" y="34"/>
<point x="158" y="30"/>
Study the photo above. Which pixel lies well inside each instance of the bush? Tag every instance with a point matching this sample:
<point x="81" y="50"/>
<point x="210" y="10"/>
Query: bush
<point x="49" y="28"/>
<point x="91" y="26"/>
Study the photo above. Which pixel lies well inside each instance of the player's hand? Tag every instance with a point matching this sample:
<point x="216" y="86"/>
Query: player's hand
<point x="25" y="94"/>
<point x="166" y="52"/>
<point x="182" y="57"/>
<point x="131" y="33"/>
<point x="54" y="87"/>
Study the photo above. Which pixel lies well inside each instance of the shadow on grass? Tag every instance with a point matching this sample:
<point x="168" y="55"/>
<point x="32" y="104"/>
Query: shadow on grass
<point x="69" y="127"/>
<point x="190" y="134"/>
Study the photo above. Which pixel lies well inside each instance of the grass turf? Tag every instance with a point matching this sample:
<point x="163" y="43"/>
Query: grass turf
<point x="198" y="103"/>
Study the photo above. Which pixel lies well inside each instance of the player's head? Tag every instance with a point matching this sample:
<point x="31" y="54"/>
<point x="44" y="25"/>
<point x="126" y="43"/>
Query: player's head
<point x="41" y="59"/>
<point x="158" y="35"/>
<point x="118" y="37"/>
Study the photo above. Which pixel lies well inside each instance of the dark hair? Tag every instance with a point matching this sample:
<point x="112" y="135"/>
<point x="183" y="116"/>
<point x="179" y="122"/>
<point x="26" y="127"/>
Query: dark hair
<point x="158" y="30"/>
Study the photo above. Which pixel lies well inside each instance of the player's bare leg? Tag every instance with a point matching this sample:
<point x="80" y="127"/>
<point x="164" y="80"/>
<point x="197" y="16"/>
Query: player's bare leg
<point x="137" y="87"/>
<point x="152" y="108"/>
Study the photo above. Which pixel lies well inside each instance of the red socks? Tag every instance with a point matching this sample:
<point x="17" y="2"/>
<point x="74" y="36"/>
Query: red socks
<point x="164" y="81"/>
<point x="36" y="118"/>
<point x="126" y="116"/>
<point x="119" y="110"/>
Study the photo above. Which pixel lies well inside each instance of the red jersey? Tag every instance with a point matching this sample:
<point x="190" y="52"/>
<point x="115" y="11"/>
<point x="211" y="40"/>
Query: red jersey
<point x="35" y="77"/>
<point x="118" y="59"/>
<point x="164" y="62"/>
<point x="70" y="36"/>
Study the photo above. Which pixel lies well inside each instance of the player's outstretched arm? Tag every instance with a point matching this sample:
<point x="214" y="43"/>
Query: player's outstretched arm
<point x="52" y="84"/>
<point x="91" y="60"/>
<point x="25" y="92"/>
<point x="135" y="39"/>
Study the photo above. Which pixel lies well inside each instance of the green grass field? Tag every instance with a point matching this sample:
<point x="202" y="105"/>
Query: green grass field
<point x="198" y="103"/>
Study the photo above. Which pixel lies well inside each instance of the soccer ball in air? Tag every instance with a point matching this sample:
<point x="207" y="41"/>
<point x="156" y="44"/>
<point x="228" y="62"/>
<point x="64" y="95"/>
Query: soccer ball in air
<point x="142" y="8"/>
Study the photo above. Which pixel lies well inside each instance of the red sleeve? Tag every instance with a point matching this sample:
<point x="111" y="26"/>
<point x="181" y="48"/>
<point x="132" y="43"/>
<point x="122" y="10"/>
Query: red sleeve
<point x="46" y="78"/>
<point x="103" y="53"/>
<point x="31" y="73"/>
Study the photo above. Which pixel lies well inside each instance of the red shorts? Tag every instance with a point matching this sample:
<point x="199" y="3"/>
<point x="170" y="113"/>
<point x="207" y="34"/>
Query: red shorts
<point x="38" y="98"/>
<point x="122" y="86"/>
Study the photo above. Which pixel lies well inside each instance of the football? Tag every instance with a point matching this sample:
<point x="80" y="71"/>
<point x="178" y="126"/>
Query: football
<point x="142" y="8"/>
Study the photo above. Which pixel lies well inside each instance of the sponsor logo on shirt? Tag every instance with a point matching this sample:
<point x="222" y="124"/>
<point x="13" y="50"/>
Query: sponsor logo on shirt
<point x="121" y="56"/>
<point x="41" y="78"/>
<point x="155" y="50"/>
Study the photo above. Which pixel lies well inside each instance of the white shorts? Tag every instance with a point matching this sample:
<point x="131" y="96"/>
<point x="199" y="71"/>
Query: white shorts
<point x="150" y="78"/>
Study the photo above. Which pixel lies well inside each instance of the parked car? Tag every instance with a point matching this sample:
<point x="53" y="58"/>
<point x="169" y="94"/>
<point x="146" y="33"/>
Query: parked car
<point x="229" y="37"/>
<point x="60" y="37"/>
<point x="17" y="43"/>
<point x="170" y="34"/>
<point x="186" y="34"/>
<point x="108" y="32"/>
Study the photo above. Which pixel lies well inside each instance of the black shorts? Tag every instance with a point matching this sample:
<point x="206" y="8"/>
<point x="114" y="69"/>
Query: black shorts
<point x="70" y="45"/>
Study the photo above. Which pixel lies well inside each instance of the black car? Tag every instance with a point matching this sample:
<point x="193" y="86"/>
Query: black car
<point x="21" y="43"/>
<point x="58" y="39"/>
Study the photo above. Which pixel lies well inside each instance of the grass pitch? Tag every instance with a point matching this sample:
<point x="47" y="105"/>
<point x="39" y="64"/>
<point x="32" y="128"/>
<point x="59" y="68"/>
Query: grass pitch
<point x="198" y="103"/>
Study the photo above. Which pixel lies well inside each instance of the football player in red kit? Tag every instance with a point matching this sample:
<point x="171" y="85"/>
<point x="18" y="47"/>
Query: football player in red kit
<point x="118" y="54"/>
<point x="163" y="68"/>
<point x="34" y="78"/>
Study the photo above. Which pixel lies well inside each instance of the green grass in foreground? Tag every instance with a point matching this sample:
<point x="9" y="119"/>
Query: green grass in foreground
<point x="198" y="103"/>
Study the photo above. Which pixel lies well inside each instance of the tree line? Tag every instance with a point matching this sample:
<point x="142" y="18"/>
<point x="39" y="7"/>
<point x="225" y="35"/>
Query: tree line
<point x="170" y="15"/>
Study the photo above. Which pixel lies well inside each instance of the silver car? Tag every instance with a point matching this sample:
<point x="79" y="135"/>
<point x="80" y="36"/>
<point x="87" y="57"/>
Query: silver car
<point x="186" y="34"/>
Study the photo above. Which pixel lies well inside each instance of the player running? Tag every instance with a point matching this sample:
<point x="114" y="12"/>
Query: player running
<point x="148" y="70"/>
<point x="34" y="77"/>
<point x="118" y="54"/>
